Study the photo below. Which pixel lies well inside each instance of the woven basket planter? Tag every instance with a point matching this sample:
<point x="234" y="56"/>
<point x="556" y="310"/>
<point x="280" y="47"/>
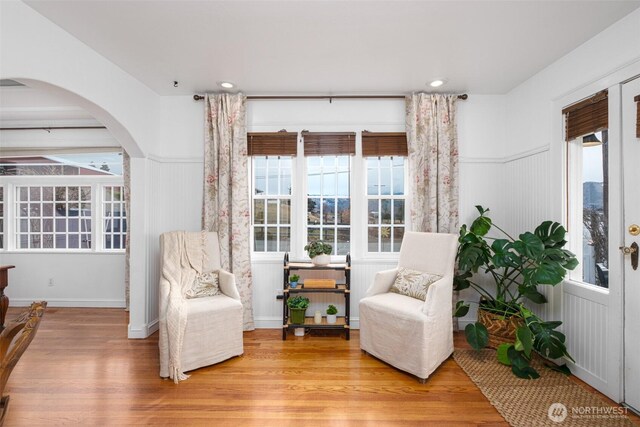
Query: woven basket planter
<point x="501" y="330"/>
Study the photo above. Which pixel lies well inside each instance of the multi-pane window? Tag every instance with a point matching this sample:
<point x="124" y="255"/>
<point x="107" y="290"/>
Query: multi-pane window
<point x="53" y="217"/>
<point x="271" y="203"/>
<point x="329" y="202"/>
<point x="1" y="217"/>
<point x="114" y="217"/>
<point x="385" y="203"/>
<point x="62" y="202"/>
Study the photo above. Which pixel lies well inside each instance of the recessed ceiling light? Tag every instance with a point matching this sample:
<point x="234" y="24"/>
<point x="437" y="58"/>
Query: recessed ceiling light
<point x="436" y="83"/>
<point x="226" y="85"/>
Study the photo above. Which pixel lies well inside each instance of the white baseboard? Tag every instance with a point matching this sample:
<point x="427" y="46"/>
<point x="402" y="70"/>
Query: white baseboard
<point x="79" y="303"/>
<point x="143" y="331"/>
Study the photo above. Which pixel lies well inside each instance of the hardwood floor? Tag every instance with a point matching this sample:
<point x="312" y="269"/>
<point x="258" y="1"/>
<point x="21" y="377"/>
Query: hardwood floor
<point x="82" y="370"/>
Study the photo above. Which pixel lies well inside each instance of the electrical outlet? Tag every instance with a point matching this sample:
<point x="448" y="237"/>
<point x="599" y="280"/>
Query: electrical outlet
<point x="51" y="282"/>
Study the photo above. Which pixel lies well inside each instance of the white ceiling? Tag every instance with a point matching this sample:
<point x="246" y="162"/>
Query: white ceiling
<point x="333" y="47"/>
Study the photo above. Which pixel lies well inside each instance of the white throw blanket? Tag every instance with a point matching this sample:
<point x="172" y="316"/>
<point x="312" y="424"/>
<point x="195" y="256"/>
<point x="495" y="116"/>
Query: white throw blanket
<point x="185" y="255"/>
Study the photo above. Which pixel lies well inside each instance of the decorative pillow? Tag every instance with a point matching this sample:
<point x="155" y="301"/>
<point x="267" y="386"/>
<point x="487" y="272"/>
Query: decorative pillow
<point x="413" y="283"/>
<point x="204" y="285"/>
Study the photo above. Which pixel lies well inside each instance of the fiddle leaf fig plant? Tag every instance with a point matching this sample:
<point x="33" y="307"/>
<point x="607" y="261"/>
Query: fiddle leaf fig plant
<point x="517" y="267"/>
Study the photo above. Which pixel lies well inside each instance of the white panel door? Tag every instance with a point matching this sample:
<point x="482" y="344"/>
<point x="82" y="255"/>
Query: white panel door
<point x="631" y="170"/>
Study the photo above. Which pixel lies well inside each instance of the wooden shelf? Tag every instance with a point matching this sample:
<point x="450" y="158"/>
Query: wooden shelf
<point x="309" y="322"/>
<point x="343" y="288"/>
<point x="310" y="266"/>
<point x="340" y="288"/>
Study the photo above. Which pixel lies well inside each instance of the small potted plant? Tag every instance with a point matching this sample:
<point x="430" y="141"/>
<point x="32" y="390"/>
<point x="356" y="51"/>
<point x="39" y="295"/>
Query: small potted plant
<point x="297" y="308"/>
<point x="319" y="252"/>
<point x="331" y="314"/>
<point x="293" y="280"/>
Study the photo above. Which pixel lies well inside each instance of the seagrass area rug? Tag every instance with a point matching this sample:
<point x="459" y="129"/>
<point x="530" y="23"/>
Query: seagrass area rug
<point x="551" y="400"/>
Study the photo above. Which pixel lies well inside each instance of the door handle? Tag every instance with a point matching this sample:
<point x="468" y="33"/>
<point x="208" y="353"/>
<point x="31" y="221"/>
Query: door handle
<point x="629" y="250"/>
<point x="633" y="251"/>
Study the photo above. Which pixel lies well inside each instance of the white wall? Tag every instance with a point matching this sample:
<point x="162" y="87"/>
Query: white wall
<point x="533" y="179"/>
<point x="41" y="55"/>
<point x="78" y="280"/>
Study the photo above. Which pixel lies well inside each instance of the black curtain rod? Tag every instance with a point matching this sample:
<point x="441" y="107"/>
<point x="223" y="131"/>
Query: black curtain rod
<point x="57" y="127"/>
<point x="197" y="97"/>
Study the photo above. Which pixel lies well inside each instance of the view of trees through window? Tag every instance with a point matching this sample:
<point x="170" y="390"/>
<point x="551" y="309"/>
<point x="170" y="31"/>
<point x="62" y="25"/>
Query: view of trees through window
<point x="385" y="204"/>
<point x="595" y="209"/>
<point x="329" y="201"/>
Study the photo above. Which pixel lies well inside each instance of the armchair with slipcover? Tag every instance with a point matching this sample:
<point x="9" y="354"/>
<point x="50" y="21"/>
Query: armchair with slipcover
<point x="413" y="335"/>
<point x="195" y="331"/>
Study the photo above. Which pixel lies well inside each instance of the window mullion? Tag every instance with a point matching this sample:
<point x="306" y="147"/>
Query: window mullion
<point x="97" y="218"/>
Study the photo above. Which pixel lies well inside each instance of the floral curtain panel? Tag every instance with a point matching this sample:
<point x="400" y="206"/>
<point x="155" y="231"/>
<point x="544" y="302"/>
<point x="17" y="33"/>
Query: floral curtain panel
<point x="226" y="189"/>
<point x="126" y="172"/>
<point x="433" y="162"/>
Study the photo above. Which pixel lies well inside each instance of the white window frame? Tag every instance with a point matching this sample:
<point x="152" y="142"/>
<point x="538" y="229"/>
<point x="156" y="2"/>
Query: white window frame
<point x="305" y="197"/>
<point x="102" y="205"/>
<point x="271" y="255"/>
<point x="365" y="229"/>
<point x="358" y="203"/>
<point x="574" y="192"/>
<point x="10" y="184"/>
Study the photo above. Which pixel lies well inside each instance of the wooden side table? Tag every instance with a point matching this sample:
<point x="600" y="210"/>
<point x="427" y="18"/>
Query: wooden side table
<point x="4" y="300"/>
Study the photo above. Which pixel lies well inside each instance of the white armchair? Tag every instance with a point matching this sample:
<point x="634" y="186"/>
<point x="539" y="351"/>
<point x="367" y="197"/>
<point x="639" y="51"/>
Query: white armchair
<point x="211" y="328"/>
<point x="413" y="335"/>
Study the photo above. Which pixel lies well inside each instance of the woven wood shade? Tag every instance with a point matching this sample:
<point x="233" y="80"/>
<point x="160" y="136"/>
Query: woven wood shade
<point x="588" y="116"/>
<point x="637" y="99"/>
<point x="272" y="143"/>
<point x="384" y="144"/>
<point x="329" y="143"/>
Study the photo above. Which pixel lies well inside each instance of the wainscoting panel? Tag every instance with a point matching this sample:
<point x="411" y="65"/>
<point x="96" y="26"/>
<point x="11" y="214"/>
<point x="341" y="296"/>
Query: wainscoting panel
<point x="526" y="202"/>
<point x="175" y="203"/>
<point x="585" y="325"/>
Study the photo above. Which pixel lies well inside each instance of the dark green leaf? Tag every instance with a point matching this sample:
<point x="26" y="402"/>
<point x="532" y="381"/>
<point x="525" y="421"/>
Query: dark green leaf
<point x="481" y="226"/>
<point x="517" y="358"/>
<point x="524" y="338"/>
<point x="533" y="246"/>
<point x="571" y="263"/>
<point x="520" y="364"/>
<point x="460" y="281"/>
<point x="477" y="335"/>
<point x="471" y="257"/>
<point x="461" y="309"/>
<point x="526" y="373"/>
<point x="532" y="294"/>
<point x="549" y="273"/>
<point x="563" y="369"/>
<point x="551" y="234"/>
<point x="503" y="254"/>
<point x="482" y="210"/>
<point x="547" y="341"/>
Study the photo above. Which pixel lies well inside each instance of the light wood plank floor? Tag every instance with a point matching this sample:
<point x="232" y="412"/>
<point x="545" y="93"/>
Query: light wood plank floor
<point x="82" y="370"/>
